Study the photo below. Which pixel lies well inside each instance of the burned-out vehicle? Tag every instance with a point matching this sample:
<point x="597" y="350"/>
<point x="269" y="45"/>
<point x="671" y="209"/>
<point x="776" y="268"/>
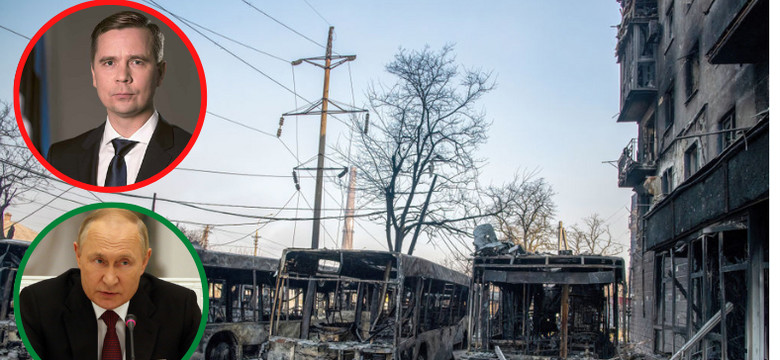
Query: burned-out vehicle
<point x="362" y="304"/>
<point x="543" y="305"/>
<point x="11" y="254"/>
<point x="240" y="290"/>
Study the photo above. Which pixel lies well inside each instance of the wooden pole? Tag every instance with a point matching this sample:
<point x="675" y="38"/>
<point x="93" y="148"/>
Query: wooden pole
<point x="308" y="302"/>
<point x="564" y="321"/>
<point x="315" y="232"/>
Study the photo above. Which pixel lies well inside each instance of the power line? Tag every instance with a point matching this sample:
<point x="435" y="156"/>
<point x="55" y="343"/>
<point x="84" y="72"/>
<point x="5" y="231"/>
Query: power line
<point x="238" y="42"/>
<point x="221" y="172"/>
<point x="47" y="204"/>
<point x="318" y="13"/>
<point x="280" y="23"/>
<point x="241" y="124"/>
<point x="14" y="32"/>
<point x="225" y="49"/>
<point x="255" y="129"/>
<point x="382" y="246"/>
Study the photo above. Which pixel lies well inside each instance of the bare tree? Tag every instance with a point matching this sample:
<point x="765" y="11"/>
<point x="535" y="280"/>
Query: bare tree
<point x="20" y="171"/>
<point x="593" y="237"/>
<point x="418" y="160"/>
<point x="195" y="236"/>
<point x="528" y="211"/>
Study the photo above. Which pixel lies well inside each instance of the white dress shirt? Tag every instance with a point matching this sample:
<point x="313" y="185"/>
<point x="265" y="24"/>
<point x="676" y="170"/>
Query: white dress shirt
<point x="120" y="326"/>
<point x="134" y="157"/>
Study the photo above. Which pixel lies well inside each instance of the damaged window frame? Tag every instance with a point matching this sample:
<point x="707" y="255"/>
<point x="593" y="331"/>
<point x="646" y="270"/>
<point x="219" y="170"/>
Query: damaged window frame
<point x="240" y="289"/>
<point x="386" y="289"/>
<point x="710" y="279"/>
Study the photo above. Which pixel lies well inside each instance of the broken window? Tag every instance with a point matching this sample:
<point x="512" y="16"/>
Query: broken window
<point x="695" y="280"/>
<point x="217" y="306"/>
<point x="667" y="180"/>
<point x="692" y="163"/>
<point x="692" y="71"/>
<point x="649" y="152"/>
<point x="727" y="126"/>
<point x="668" y="104"/>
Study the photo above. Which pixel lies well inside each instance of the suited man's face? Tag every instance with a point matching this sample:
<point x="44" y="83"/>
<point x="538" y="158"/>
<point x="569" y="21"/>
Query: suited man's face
<point x="126" y="74"/>
<point x="112" y="260"/>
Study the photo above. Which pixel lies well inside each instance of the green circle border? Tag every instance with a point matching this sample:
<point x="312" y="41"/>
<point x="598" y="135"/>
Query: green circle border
<point x="131" y="207"/>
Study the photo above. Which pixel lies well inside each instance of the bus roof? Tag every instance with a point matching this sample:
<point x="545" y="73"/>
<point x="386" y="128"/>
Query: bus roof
<point x="366" y="264"/>
<point x="548" y="268"/>
<point x="212" y="258"/>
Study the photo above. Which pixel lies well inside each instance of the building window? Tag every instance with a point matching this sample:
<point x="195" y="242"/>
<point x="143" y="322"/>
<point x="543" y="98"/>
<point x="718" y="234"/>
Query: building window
<point x="692" y="71"/>
<point x="669" y="107"/>
<point x="727" y="125"/>
<point x="667" y="180"/>
<point x="649" y="152"/>
<point x="692" y="163"/>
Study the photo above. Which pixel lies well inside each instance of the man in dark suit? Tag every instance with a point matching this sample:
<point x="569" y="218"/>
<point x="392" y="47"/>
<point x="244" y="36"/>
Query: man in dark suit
<point x="134" y="143"/>
<point x="81" y="314"/>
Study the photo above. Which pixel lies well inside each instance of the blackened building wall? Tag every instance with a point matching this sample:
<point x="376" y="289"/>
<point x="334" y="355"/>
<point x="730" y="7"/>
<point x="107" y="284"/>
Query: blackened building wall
<point x="695" y="79"/>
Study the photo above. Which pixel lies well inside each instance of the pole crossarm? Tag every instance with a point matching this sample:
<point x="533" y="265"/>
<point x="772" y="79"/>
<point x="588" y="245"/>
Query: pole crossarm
<point x="339" y="59"/>
<point x="315" y="108"/>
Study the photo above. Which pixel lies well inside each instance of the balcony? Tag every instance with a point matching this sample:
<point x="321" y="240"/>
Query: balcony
<point x="632" y="170"/>
<point x="738" y="32"/>
<point x="636" y="55"/>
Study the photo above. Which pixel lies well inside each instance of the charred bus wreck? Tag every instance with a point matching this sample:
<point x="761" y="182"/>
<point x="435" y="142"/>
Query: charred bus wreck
<point x="240" y="289"/>
<point x="544" y="305"/>
<point x="369" y="305"/>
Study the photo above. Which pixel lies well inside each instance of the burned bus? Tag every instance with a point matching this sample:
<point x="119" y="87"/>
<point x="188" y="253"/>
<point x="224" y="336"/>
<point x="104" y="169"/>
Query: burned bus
<point x="11" y="254"/>
<point x="240" y="290"/>
<point x="544" y="305"/>
<point x="361" y="304"/>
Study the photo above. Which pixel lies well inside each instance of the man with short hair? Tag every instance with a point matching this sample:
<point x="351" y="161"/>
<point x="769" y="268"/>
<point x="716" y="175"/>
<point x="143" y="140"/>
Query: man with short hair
<point x="81" y="314"/>
<point x="135" y="142"/>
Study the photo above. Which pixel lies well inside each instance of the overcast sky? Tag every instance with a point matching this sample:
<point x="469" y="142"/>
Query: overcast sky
<point x="553" y="110"/>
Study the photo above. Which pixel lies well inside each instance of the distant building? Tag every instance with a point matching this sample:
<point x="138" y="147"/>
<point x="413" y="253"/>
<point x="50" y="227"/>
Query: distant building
<point x="695" y="79"/>
<point x="19" y="232"/>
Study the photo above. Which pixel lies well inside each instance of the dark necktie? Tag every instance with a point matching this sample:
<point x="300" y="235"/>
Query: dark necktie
<point x="111" y="348"/>
<point x="117" y="170"/>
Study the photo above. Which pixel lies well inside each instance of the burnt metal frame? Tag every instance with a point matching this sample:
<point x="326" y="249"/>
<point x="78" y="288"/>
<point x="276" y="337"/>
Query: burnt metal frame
<point x="486" y="272"/>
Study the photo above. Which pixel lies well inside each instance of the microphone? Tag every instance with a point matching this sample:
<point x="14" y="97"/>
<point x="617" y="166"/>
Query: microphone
<point x="130" y="323"/>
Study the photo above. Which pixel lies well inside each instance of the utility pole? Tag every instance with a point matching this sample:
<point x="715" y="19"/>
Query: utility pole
<point x="205" y="243"/>
<point x="255" y="242"/>
<point x="310" y="109"/>
<point x="308" y="301"/>
<point x="349" y="225"/>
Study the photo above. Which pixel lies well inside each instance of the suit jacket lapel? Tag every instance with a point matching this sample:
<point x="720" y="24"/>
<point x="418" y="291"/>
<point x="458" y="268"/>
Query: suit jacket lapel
<point x="80" y="324"/>
<point x="145" y="332"/>
<point x="91" y="146"/>
<point x="157" y="155"/>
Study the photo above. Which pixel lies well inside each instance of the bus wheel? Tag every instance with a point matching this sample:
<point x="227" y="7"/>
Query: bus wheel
<point x="221" y="351"/>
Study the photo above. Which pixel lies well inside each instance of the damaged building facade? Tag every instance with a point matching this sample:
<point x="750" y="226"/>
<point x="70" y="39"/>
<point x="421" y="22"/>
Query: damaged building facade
<point x="695" y="79"/>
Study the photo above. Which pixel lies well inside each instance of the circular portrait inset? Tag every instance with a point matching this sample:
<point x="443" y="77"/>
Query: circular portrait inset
<point x="108" y="280"/>
<point x="110" y="97"/>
